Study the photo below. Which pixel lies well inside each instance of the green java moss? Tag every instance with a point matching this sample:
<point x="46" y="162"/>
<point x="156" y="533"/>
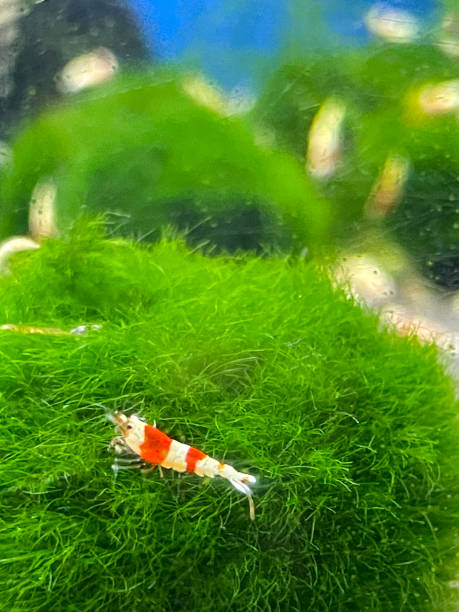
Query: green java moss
<point x="350" y="431"/>
<point x="144" y="150"/>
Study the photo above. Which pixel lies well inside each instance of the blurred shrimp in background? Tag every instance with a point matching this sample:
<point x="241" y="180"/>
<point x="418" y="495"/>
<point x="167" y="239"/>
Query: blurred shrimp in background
<point x="54" y="47"/>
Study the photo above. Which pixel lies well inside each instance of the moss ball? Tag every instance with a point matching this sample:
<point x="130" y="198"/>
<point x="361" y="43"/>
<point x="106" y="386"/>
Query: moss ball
<point x="350" y="431"/>
<point x="146" y="152"/>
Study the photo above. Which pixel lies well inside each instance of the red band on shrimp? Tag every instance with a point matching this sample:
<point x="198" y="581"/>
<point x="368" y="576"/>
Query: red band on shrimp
<point x="192" y="457"/>
<point x="155" y="445"/>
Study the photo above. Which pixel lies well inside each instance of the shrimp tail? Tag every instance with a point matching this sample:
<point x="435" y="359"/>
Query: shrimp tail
<point x="240" y="484"/>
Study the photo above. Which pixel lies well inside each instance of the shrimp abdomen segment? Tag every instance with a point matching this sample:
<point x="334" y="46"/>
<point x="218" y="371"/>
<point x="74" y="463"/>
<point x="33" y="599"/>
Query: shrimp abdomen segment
<point x="193" y="457"/>
<point x="207" y="466"/>
<point x="176" y="457"/>
<point x="159" y="449"/>
<point x="211" y="467"/>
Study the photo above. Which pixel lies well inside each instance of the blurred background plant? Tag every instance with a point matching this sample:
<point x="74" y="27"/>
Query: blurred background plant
<point x="365" y="97"/>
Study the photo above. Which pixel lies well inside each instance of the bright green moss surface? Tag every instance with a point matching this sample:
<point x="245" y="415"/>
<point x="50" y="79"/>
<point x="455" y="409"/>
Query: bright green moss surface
<point x="142" y="149"/>
<point x="351" y="432"/>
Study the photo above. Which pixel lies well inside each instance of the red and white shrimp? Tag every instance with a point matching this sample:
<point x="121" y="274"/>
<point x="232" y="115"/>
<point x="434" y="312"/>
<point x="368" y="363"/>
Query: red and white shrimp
<point x="150" y="445"/>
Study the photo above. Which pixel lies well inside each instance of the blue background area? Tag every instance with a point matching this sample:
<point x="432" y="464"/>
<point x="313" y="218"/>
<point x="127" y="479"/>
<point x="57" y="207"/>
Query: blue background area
<point x="234" y="41"/>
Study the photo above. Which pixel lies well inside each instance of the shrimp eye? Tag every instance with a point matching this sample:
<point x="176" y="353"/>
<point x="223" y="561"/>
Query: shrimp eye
<point x="129" y="427"/>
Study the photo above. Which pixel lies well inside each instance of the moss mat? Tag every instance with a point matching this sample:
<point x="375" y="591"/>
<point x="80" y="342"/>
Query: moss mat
<point x="350" y="431"/>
